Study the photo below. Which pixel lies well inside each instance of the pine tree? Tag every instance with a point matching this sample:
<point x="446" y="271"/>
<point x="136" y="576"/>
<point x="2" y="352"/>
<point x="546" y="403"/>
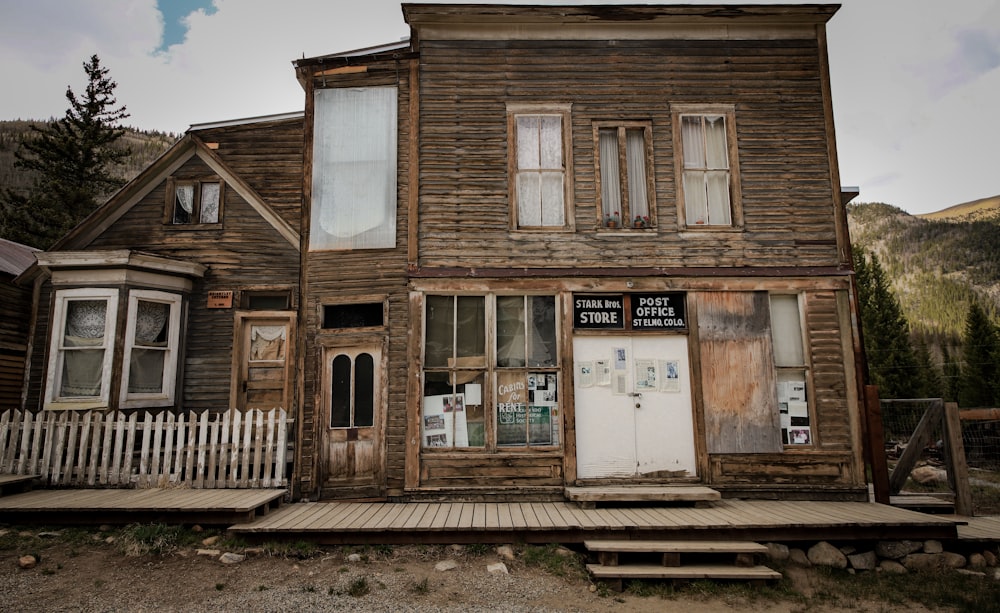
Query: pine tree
<point x="980" y="356"/>
<point x="892" y="364"/>
<point x="952" y="374"/>
<point x="71" y="160"/>
<point x="929" y="377"/>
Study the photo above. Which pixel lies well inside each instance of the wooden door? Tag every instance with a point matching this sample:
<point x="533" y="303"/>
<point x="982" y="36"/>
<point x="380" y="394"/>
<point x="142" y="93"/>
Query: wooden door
<point x="353" y="392"/>
<point x="636" y="422"/>
<point x="264" y="343"/>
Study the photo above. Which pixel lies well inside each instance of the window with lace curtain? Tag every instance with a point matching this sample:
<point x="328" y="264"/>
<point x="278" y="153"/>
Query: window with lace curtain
<point x="705" y="146"/>
<point x="623" y="157"/>
<point x="151" y="336"/>
<point x="192" y="202"/>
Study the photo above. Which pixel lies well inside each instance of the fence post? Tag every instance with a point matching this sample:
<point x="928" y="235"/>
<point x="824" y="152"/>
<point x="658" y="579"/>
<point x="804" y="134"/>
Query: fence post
<point x="876" y="445"/>
<point x="957" y="466"/>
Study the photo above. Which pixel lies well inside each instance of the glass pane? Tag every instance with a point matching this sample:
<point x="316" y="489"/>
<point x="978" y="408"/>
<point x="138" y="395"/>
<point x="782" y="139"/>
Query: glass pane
<point x="529" y="199"/>
<point x="635" y="162"/>
<point x="151" y="323"/>
<point x="340" y="393"/>
<point x="267" y="342"/>
<point x="695" y="203"/>
<point x="610" y="177"/>
<point x="85" y="322"/>
<point x="551" y="142"/>
<point x="716" y="153"/>
<point x="786" y="331"/>
<point x="452" y="412"/>
<point x="364" y="391"/>
<point x="510" y="331"/>
<point x="719" y="211"/>
<point x="528" y="142"/>
<point x="209" y="203"/>
<point x="694" y="141"/>
<point x="543" y="409"/>
<point x="542" y="333"/>
<point x="512" y="409"/>
<point x="183" y="204"/>
<point x="552" y="209"/>
<point x="145" y="373"/>
<point x="81" y="373"/>
<point x="439" y="312"/>
<point x="470" y="335"/>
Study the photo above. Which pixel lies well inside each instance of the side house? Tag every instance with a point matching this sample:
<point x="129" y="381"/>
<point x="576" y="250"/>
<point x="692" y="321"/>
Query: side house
<point x="180" y="293"/>
<point x="15" y="315"/>
<point x="554" y="246"/>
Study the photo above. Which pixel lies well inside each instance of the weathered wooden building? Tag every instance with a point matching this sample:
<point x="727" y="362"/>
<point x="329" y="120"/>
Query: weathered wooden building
<point x="15" y="315"/>
<point x="548" y="246"/>
<point x="532" y="247"/>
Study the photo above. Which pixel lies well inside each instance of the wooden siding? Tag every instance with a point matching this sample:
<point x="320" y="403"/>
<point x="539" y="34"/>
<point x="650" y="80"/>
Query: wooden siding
<point x="332" y="277"/>
<point x="15" y="314"/>
<point x="775" y="86"/>
<point x="829" y="370"/>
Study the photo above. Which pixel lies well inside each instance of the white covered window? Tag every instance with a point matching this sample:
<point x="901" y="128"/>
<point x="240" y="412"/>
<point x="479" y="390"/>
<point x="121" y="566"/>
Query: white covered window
<point x="624" y="169"/>
<point x="194" y="202"/>
<point x="354" y="169"/>
<point x="82" y="346"/>
<point x="151" y="337"/>
<point x="709" y="173"/>
<point x="539" y="166"/>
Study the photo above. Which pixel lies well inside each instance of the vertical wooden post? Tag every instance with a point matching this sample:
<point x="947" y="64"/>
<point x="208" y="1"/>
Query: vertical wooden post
<point x="957" y="466"/>
<point x="876" y="444"/>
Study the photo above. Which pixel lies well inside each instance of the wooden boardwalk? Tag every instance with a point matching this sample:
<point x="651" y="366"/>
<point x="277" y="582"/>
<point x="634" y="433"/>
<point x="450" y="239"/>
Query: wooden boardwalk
<point x="563" y="522"/>
<point x="117" y="506"/>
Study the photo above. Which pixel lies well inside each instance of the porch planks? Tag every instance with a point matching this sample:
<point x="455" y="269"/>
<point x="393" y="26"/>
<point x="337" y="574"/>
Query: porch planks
<point x="440" y="522"/>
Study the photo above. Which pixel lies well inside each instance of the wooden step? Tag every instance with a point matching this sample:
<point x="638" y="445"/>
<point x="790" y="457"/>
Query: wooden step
<point x="694" y="571"/>
<point x="593" y="495"/>
<point x="677" y="546"/>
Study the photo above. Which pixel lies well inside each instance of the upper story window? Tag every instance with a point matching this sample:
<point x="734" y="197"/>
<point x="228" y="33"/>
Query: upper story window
<point x="540" y="166"/>
<point x="709" y="172"/>
<point x="194" y="201"/>
<point x="354" y="169"/>
<point x="623" y="158"/>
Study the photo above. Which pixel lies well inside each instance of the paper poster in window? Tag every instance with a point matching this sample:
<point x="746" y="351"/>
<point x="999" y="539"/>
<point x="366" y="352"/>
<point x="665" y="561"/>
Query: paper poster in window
<point x="645" y="375"/>
<point x="670" y="376"/>
<point x="602" y="373"/>
<point x="585" y="374"/>
<point x="444" y="421"/>
<point x="800" y="436"/>
<point x="621" y="358"/>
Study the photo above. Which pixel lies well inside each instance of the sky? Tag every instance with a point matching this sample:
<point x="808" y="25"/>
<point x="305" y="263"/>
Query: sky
<point x="916" y="83"/>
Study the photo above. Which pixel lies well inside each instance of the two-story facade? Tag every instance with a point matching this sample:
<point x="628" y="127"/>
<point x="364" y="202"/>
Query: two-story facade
<point x="549" y="246"/>
<point x="528" y="248"/>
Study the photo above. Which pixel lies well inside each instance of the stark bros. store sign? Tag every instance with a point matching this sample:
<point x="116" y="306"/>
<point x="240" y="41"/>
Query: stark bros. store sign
<point x="662" y="311"/>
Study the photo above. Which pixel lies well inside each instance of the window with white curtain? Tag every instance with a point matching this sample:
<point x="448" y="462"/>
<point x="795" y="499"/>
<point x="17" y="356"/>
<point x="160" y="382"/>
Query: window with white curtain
<point x="192" y="202"/>
<point x="151" y="337"/>
<point x="82" y="346"/>
<point x="354" y="169"/>
<point x="624" y="172"/>
<point x="792" y="370"/>
<point x="539" y="166"/>
<point x="708" y="169"/>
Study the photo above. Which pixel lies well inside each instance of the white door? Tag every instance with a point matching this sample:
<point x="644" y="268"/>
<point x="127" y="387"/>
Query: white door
<point x="635" y="422"/>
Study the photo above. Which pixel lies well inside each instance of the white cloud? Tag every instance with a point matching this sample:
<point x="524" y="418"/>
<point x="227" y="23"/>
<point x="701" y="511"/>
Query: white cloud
<point x="913" y="80"/>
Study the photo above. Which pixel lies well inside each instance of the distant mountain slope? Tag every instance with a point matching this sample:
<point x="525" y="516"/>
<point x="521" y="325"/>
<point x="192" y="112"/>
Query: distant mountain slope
<point x="146" y="146"/>
<point x="938" y="263"/>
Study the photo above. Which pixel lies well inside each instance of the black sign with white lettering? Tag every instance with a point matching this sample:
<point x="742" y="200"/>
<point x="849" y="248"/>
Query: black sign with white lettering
<point x="599" y="312"/>
<point x="658" y="311"/>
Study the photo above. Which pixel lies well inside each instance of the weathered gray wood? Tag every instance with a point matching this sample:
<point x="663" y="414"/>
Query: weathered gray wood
<point x="699" y="571"/>
<point x="914" y="447"/>
<point x="644" y="546"/>
<point x="958" y="468"/>
<point x="665" y="493"/>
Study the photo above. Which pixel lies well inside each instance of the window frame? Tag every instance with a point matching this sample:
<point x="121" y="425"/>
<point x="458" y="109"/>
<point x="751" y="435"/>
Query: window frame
<point x="129" y="400"/>
<point x="352" y="354"/>
<point x="728" y="112"/>
<point x="56" y="359"/>
<point x="488" y="372"/>
<point x="563" y="111"/>
<point x="800" y="370"/>
<point x="627" y="220"/>
<point x="197" y="183"/>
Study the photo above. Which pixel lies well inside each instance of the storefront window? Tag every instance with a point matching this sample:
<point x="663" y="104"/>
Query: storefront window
<point x="504" y="397"/>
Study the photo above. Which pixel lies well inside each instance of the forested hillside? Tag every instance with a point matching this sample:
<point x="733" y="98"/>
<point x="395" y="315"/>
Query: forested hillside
<point x="146" y="146"/>
<point x="938" y="263"/>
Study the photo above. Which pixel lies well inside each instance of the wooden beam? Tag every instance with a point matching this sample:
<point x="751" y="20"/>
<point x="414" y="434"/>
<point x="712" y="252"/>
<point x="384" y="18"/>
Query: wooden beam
<point x="341" y="70"/>
<point x="921" y="437"/>
<point x="958" y="469"/>
<point x="979" y="414"/>
<point x="875" y="442"/>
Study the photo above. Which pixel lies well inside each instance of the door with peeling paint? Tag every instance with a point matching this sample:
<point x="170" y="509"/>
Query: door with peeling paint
<point x="635" y="422"/>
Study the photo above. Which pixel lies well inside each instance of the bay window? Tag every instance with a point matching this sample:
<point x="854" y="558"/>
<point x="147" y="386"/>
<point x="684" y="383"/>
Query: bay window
<point x="151" y="337"/>
<point x="490" y="372"/>
<point x="82" y="346"/>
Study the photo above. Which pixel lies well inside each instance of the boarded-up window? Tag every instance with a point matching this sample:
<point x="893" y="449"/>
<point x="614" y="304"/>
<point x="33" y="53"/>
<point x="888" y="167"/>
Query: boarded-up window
<point x="738" y="373"/>
<point x="354" y="169"/>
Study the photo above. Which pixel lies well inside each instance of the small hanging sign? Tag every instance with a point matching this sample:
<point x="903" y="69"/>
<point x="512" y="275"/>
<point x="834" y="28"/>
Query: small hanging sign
<point x="220" y="300"/>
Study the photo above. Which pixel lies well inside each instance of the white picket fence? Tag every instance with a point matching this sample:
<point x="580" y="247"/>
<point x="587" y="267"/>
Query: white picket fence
<point x="203" y="449"/>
